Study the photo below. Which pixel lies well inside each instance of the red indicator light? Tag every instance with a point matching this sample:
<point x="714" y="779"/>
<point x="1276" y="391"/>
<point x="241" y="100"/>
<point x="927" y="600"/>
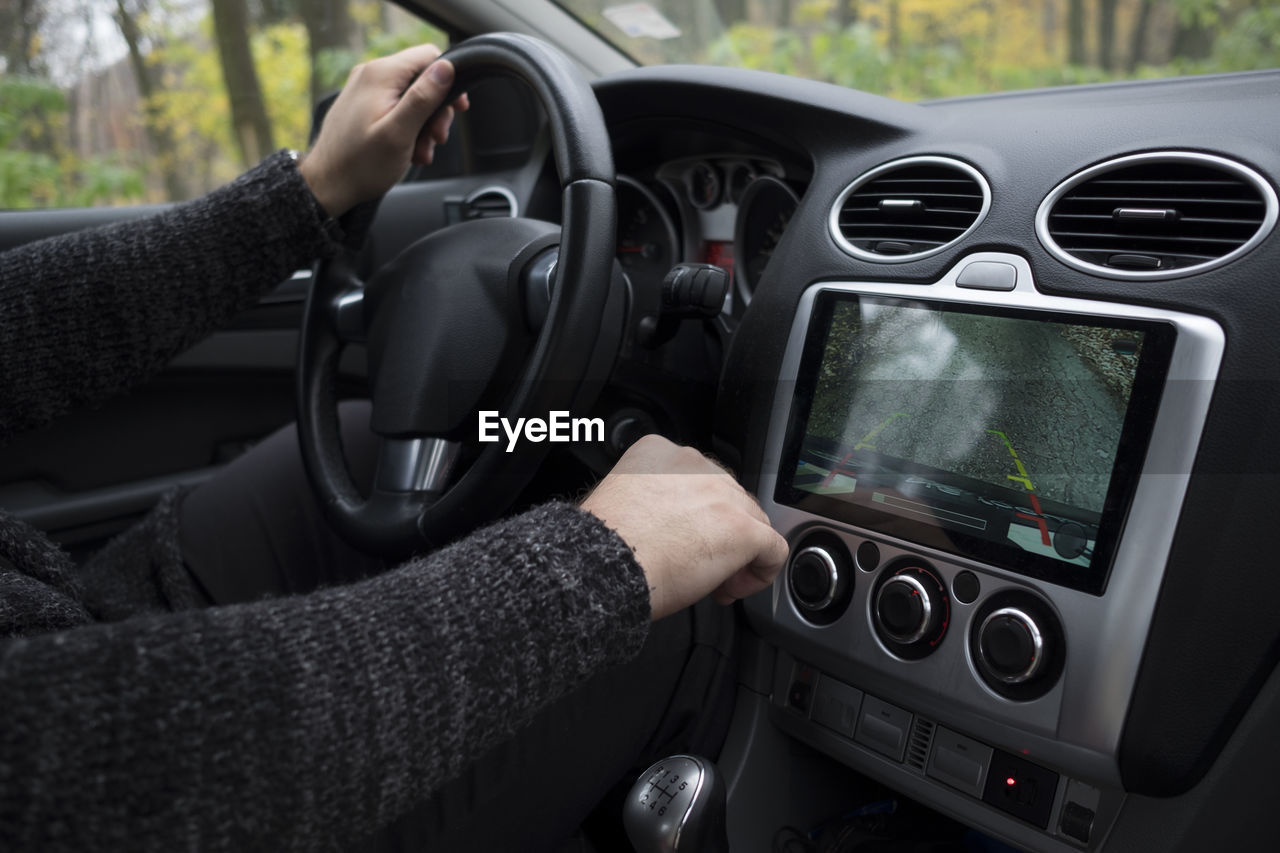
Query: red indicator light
<point x="1011" y="781"/>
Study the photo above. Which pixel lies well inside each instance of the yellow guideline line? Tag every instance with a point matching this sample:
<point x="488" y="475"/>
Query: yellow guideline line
<point x="863" y="445"/>
<point x="1024" y="478"/>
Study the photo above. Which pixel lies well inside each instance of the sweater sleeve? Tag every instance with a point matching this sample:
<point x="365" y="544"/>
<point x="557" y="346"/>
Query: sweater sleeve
<point x="90" y="313"/>
<point x="293" y="723"/>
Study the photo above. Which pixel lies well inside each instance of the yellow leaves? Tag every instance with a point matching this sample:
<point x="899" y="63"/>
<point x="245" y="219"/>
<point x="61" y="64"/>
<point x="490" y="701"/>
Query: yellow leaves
<point x="284" y="72"/>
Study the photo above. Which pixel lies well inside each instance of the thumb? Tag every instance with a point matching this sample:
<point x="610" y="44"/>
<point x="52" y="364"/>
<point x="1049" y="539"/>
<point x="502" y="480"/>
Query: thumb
<point x="423" y="97"/>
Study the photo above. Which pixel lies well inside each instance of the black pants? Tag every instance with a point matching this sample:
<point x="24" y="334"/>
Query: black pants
<point x="256" y="530"/>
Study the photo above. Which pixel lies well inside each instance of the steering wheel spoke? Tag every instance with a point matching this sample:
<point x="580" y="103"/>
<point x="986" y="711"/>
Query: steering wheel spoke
<point x="416" y="465"/>
<point x="346" y="313"/>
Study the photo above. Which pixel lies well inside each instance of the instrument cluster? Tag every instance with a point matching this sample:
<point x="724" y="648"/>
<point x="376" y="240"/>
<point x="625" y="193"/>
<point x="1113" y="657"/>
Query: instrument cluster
<point x="729" y="210"/>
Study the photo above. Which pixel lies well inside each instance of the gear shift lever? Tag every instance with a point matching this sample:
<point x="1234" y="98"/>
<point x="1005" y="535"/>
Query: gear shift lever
<point x="677" y="806"/>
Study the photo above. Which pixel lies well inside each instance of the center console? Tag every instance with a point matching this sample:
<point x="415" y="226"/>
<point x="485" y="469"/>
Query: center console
<point x="980" y="485"/>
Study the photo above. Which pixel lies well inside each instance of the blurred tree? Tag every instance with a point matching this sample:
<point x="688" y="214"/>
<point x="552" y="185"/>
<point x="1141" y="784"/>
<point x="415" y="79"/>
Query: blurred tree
<point x="330" y="28"/>
<point x="158" y="135"/>
<point x="731" y="11"/>
<point x="1138" y="40"/>
<point x="846" y="13"/>
<point x="36" y="167"/>
<point x="251" y="126"/>
<point x="1193" y="34"/>
<point x="1075" y="33"/>
<point x="20" y="22"/>
<point x="1106" y="33"/>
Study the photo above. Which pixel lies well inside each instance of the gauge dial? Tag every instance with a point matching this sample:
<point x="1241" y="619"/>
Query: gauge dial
<point x="647" y="243"/>
<point x="767" y="207"/>
<point x="740" y="177"/>
<point x="703" y="186"/>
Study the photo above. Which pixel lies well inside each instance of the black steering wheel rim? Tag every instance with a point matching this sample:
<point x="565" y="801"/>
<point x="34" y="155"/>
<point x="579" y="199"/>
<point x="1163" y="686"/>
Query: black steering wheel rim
<point x="396" y="522"/>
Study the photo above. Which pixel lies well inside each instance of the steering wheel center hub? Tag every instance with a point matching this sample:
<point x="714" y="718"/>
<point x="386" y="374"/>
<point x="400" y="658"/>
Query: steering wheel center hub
<point x="446" y="325"/>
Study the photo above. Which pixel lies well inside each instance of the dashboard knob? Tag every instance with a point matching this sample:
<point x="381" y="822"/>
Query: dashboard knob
<point x="910" y="611"/>
<point x="815" y="577"/>
<point x="1011" y="646"/>
<point x="820" y="577"/>
<point x="904" y="608"/>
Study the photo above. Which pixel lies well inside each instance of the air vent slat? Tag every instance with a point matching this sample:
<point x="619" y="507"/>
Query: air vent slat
<point x="1214" y="210"/>
<point x="923" y="194"/>
<point x="1162" y="201"/>
<point x="1223" y="241"/>
<point x="1189" y="220"/>
<point x="948" y="200"/>
<point x="1100" y="256"/>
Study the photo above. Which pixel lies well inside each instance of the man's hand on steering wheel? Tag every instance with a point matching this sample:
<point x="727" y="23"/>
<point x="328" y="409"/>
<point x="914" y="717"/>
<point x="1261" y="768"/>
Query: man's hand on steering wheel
<point x="380" y="123"/>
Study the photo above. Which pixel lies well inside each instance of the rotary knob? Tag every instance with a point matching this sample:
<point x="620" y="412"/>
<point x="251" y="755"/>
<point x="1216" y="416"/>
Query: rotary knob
<point x="815" y="578"/>
<point x="1011" y="646"/>
<point x="820" y="577"/>
<point x="1017" y="645"/>
<point x="910" y="611"/>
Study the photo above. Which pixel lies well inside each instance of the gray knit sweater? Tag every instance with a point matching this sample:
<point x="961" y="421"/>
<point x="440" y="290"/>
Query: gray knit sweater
<point x="130" y="718"/>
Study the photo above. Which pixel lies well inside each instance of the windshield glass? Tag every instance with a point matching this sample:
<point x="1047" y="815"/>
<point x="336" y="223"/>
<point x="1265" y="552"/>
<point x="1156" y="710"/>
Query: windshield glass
<point x="921" y="49"/>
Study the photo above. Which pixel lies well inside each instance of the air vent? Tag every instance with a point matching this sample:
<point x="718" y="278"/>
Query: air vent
<point x="909" y="209"/>
<point x="490" y="203"/>
<point x="1157" y="215"/>
<point x="918" y="746"/>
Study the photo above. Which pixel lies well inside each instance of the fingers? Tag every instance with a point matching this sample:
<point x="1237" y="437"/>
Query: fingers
<point x="436" y="132"/>
<point x="410" y="62"/>
<point x="760" y="573"/>
<point x="423" y="97"/>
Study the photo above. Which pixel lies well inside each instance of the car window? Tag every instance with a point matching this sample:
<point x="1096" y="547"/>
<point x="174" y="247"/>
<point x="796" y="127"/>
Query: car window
<point x="922" y="49"/>
<point x="107" y="102"/>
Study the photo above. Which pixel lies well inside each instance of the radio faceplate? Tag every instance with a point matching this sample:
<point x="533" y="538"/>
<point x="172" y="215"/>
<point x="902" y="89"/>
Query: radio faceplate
<point x="1075" y="723"/>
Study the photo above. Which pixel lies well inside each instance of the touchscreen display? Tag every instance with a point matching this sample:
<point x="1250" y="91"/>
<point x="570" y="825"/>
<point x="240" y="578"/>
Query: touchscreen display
<point x="1009" y="436"/>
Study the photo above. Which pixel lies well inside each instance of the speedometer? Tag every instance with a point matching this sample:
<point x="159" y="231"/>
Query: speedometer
<point x="647" y="242"/>
<point x="767" y="207"/>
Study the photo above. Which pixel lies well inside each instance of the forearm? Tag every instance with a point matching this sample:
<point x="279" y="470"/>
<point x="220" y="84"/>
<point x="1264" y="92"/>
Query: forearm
<point x="88" y="314"/>
<point x="300" y="720"/>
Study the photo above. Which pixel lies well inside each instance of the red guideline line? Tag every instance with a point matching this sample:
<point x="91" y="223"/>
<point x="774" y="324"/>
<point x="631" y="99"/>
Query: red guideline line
<point x="1038" y="518"/>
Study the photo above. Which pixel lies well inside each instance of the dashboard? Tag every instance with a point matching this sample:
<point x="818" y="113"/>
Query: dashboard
<point x="1002" y="370"/>
<point x="728" y="210"/>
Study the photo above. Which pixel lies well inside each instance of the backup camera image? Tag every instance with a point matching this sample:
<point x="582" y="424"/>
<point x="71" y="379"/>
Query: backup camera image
<point x="1000" y="428"/>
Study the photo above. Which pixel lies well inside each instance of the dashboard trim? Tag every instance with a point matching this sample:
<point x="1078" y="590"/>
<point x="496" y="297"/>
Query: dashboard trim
<point x="1169" y="156"/>
<point x="1077" y="725"/>
<point x="833" y="219"/>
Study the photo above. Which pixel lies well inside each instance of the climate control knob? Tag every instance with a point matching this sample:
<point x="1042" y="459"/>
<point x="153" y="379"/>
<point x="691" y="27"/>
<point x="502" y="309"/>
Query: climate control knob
<point x="910" y="611"/>
<point x="1011" y="646"/>
<point x="1017" y="645"/>
<point x="820" y="577"/>
<point x="815" y="577"/>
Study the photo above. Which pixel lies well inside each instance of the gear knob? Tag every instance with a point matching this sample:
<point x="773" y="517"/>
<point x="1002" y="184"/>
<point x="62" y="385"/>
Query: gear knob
<point x="677" y="806"/>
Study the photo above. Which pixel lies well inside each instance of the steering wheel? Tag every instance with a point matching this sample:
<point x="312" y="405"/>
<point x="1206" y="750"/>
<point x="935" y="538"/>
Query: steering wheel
<point x="450" y="330"/>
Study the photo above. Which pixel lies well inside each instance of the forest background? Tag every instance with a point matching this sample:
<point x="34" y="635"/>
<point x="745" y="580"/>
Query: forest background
<point x="127" y="101"/>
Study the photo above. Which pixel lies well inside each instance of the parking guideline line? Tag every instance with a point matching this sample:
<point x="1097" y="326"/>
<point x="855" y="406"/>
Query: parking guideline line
<point x="861" y="445"/>
<point x="1025" y="479"/>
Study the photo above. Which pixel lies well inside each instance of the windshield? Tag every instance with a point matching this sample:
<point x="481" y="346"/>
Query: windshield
<point x="921" y="49"/>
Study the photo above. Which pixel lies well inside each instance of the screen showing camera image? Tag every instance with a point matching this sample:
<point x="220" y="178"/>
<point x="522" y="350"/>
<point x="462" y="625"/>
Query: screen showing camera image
<point x="997" y="430"/>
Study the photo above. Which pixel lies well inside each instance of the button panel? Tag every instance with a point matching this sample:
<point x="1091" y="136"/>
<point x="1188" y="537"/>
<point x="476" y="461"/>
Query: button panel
<point x="897" y="741"/>
<point x="959" y="761"/>
<point x="883" y="727"/>
<point x="1022" y="789"/>
<point x="836" y="706"/>
<point x="988" y="275"/>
